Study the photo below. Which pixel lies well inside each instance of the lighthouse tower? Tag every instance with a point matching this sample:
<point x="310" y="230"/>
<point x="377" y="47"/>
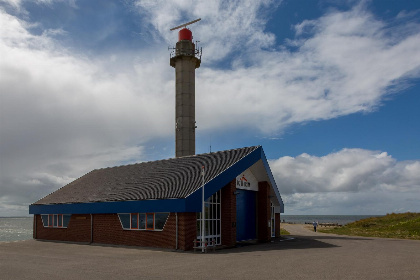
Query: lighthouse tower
<point x="185" y="59"/>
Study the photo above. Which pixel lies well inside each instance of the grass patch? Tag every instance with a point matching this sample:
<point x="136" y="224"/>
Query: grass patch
<point x="284" y="232"/>
<point x="403" y="226"/>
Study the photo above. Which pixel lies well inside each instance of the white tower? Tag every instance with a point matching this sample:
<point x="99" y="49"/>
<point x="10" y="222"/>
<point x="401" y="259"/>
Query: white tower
<point x="185" y="60"/>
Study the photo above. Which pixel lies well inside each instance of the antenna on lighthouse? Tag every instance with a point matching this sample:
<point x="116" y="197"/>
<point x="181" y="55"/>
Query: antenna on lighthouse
<point x="185" y="24"/>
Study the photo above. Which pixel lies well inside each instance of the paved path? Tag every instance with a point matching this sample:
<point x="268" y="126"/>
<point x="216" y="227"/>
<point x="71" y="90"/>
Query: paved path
<point x="308" y="256"/>
<point x="330" y="256"/>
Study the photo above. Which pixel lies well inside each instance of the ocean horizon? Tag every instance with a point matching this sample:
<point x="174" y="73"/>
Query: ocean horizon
<point x="15" y="228"/>
<point x="21" y="228"/>
<point x="338" y="219"/>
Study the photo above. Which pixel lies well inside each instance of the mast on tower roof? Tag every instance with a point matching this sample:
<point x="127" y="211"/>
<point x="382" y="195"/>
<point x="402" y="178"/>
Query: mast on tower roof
<point x="185" y="24"/>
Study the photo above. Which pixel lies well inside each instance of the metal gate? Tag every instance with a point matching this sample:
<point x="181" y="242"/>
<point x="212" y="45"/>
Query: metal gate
<point x="245" y="215"/>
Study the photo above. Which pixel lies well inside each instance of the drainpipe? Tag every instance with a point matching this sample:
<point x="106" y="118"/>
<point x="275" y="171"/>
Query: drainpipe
<point x="91" y="228"/>
<point x="35" y="226"/>
<point x="176" y="230"/>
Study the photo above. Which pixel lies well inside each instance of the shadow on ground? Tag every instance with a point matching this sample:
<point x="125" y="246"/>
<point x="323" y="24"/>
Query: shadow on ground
<point x="292" y="242"/>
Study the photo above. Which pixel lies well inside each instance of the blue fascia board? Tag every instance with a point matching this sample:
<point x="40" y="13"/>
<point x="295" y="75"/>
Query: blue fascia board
<point x="272" y="181"/>
<point x="194" y="200"/>
<point x="190" y="204"/>
<point x="158" y="205"/>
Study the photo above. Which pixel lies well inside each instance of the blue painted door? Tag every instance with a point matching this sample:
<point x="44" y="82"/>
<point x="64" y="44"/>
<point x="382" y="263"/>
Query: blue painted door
<point x="245" y="215"/>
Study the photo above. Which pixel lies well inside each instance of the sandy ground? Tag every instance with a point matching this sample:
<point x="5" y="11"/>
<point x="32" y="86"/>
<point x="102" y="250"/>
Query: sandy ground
<point x="303" y="255"/>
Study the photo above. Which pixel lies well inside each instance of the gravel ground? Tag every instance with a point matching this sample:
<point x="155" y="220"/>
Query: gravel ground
<point x="304" y="255"/>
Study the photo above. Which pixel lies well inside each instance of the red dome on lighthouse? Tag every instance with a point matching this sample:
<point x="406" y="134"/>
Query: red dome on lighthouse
<point x="184" y="34"/>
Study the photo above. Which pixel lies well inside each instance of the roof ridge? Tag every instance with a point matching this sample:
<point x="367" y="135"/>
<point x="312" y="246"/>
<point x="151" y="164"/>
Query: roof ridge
<point x="165" y="178"/>
<point x="208" y="180"/>
<point x="174" y="158"/>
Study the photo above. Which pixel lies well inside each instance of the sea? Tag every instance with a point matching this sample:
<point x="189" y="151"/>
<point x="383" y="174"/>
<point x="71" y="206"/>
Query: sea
<point x="15" y="229"/>
<point x="338" y="219"/>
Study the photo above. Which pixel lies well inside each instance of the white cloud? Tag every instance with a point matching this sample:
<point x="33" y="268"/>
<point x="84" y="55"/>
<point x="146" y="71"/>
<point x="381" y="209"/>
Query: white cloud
<point x="13" y="3"/>
<point x="346" y="62"/>
<point x="226" y="26"/>
<point x="347" y="182"/>
<point x="63" y="113"/>
<point x="349" y="170"/>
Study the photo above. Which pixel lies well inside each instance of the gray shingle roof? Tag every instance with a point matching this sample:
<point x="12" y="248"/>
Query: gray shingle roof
<point x="162" y="179"/>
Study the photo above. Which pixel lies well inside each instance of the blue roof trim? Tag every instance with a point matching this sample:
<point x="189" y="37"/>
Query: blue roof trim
<point x="194" y="200"/>
<point x="273" y="183"/>
<point x="190" y="204"/>
<point x="161" y="205"/>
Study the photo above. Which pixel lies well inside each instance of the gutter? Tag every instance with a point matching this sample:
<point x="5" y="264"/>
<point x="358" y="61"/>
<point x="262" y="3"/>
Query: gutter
<point x="36" y="230"/>
<point x="176" y="230"/>
<point x="91" y="228"/>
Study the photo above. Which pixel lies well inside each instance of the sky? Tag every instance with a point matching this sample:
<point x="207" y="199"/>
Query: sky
<point x="330" y="89"/>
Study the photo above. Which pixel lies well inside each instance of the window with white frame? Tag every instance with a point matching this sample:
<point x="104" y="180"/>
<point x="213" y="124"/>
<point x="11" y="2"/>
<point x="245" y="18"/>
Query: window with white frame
<point x="55" y="220"/>
<point x="212" y="219"/>
<point x="143" y="221"/>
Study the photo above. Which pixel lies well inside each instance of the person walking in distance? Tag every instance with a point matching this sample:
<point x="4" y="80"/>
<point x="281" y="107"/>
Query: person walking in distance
<point x="315" y="224"/>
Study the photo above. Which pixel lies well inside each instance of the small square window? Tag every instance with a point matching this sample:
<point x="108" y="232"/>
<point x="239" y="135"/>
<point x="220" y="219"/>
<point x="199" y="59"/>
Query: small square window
<point x="134" y="221"/>
<point x="60" y="221"/>
<point x="160" y="220"/>
<point x="125" y="220"/>
<point x="44" y="220"/>
<point x="142" y="221"/>
<point x="66" y="220"/>
<point x="150" y="221"/>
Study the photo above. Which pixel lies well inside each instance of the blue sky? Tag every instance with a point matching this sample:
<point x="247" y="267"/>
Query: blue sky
<point x="330" y="89"/>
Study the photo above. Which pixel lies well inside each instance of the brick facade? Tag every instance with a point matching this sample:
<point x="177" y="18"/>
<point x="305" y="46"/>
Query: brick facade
<point x="187" y="230"/>
<point x="277" y="217"/>
<point x="263" y="212"/>
<point x="228" y="209"/>
<point x="78" y="230"/>
<point x="107" y="228"/>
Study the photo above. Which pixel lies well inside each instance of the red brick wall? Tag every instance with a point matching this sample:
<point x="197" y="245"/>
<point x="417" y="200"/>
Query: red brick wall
<point x="107" y="229"/>
<point x="187" y="230"/>
<point x="78" y="230"/>
<point x="263" y="212"/>
<point x="228" y="214"/>
<point x="277" y="224"/>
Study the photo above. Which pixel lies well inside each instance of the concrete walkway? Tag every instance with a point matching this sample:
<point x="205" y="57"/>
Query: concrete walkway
<point x="308" y="255"/>
<point x="330" y="256"/>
